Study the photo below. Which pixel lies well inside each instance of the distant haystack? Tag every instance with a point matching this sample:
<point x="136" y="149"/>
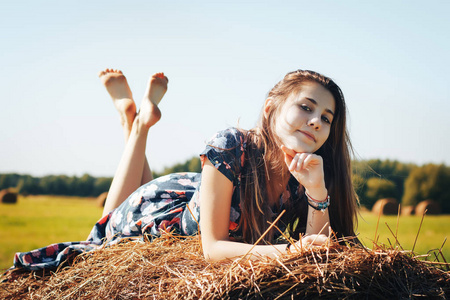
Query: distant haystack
<point x="101" y="199"/>
<point x="432" y="208"/>
<point x="408" y="210"/>
<point x="8" y="196"/>
<point x="388" y="206"/>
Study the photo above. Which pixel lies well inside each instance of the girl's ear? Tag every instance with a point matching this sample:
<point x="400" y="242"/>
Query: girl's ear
<point x="267" y="106"/>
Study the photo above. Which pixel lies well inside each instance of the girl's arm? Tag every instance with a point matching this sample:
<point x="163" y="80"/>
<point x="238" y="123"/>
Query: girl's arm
<point x="215" y="203"/>
<point x="318" y="221"/>
<point x="307" y="168"/>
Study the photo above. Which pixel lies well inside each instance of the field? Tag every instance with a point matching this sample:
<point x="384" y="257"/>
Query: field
<point x="434" y="230"/>
<point x="37" y="221"/>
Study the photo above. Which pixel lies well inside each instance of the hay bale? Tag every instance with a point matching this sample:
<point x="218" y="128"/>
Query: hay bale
<point x="101" y="199"/>
<point x="388" y="206"/>
<point x="408" y="210"/>
<point x="432" y="208"/>
<point x="362" y="208"/>
<point x="8" y="196"/>
<point x="174" y="268"/>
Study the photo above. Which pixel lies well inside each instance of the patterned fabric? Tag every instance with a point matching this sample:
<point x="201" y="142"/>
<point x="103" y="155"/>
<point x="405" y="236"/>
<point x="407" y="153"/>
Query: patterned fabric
<point x="155" y="207"/>
<point x="226" y="151"/>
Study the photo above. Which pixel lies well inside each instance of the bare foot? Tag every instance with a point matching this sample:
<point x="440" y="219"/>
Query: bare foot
<point x="157" y="87"/>
<point x="117" y="86"/>
<point x="149" y="112"/>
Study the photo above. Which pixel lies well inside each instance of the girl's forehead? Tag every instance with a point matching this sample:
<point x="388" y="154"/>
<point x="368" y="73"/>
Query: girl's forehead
<point x="315" y="93"/>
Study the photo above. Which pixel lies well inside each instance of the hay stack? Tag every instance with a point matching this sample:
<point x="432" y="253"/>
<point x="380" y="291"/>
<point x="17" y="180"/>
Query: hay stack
<point x="408" y="210"/>
<point x="388" y="206"/>
<point x="174" y="268"/>
<point x="432" y="208"/>
<point x="101" y="199"/>
<point x="8" y="196"/>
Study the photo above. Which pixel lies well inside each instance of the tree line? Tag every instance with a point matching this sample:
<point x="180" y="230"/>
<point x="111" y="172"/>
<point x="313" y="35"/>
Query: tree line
<point x="84" y="186"/>
<point x="409" y="184"/>
<point x="373" y="179"/>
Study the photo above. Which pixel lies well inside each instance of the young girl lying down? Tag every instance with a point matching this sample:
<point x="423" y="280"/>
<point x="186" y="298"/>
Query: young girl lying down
<point x="295" y="160"/>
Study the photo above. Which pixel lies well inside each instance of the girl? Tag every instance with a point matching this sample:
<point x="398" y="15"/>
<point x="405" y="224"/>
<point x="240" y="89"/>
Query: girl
<point x="295" y="160"/>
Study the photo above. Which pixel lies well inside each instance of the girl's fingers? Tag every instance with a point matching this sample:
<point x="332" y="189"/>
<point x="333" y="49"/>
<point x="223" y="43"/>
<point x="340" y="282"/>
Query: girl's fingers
<point x="301" y="161"/>
<point x="288" y="155"/>
<point x="297" y="161"/>
<point x="308" y="160"/>
<point x="315" y="239"/>
<point x="294" y="162"/>
<point x="288" y="151"/>
<point x="287" y="159"/>
<point x="312" y="160"/>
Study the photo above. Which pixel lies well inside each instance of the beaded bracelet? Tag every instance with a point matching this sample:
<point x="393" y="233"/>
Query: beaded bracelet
<point x="318" y="205"/>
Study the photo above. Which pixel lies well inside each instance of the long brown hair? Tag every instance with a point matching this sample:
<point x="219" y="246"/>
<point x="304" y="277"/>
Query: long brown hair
<point x="263" y="160"/>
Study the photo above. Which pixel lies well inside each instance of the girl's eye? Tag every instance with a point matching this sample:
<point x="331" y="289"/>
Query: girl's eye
<point x="326" y="120"/>
<point x="305" y="108"/>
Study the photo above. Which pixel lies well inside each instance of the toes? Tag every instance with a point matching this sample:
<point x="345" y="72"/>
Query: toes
<point x="109" y="71"/>
<point x="162" y="76"/>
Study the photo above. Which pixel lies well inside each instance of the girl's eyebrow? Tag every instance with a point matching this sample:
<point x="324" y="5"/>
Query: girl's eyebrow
<point x="315" y="102"/>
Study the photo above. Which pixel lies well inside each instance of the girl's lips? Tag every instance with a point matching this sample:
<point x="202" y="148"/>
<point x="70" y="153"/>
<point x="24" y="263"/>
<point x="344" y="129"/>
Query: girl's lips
<point x="309" y="135"/>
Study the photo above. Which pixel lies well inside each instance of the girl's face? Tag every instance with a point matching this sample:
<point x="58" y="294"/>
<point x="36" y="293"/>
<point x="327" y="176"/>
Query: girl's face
<point x="304" y="121"/>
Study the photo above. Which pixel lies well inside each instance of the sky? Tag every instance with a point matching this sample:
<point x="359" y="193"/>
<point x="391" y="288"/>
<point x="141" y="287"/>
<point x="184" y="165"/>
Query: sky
<point x="391" y="59"/>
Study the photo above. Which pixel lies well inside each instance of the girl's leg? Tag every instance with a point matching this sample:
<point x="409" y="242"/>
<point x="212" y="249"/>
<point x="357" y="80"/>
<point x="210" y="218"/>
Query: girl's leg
<point x="133" y="168"/>
<point x="117" y="86"/>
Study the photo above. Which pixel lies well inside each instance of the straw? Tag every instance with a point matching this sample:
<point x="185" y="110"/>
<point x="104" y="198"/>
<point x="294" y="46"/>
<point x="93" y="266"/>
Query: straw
<point x="173" y="267"/>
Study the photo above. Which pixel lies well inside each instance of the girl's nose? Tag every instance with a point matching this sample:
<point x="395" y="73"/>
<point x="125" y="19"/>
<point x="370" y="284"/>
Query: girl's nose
<point x="315" y="123"/>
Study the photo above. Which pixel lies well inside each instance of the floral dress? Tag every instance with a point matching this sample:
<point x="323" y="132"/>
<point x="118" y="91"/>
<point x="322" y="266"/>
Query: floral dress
<point x="168" y="203"/>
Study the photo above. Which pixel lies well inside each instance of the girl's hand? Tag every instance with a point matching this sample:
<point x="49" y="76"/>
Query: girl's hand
<point x="314" y="240"/>
<point x="307" y="168"/>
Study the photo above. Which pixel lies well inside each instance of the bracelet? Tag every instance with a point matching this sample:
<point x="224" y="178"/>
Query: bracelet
<point x="318" y="205"/>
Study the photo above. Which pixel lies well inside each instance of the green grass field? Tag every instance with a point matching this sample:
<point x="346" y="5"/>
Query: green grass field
<point x="434" y="230"/>
<point x="37" y="221"/>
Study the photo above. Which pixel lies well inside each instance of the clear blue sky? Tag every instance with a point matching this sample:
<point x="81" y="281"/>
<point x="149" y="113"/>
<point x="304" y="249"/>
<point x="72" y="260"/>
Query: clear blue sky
<point x="391" y="58"/>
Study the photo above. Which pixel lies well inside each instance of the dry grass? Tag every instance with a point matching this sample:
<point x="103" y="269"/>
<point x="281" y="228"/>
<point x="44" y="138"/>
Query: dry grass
<point x="171" y="267"/>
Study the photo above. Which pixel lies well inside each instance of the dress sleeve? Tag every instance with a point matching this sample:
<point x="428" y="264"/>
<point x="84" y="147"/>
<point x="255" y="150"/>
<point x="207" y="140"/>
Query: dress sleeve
<point x="225" y="150"/>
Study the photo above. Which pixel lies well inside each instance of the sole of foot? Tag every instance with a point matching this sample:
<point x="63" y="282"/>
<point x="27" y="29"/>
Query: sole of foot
<point x="117" y="86"/>
<point x="149" y="112"/>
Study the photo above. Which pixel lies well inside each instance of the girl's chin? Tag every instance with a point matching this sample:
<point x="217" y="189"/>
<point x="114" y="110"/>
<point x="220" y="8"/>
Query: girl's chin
<point x="299" y="145"/>
<point x="301" y="148"/>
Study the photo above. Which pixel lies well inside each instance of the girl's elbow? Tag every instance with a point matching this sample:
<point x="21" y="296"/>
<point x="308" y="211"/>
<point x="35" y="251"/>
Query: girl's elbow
<point x="210" y="251"/>
<point x="207" y="252"/>
<point x="207" y="257"/>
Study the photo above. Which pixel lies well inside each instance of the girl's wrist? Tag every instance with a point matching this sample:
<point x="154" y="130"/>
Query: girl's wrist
<point x="319" y="194"/>
<point x="318" y="205"/>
